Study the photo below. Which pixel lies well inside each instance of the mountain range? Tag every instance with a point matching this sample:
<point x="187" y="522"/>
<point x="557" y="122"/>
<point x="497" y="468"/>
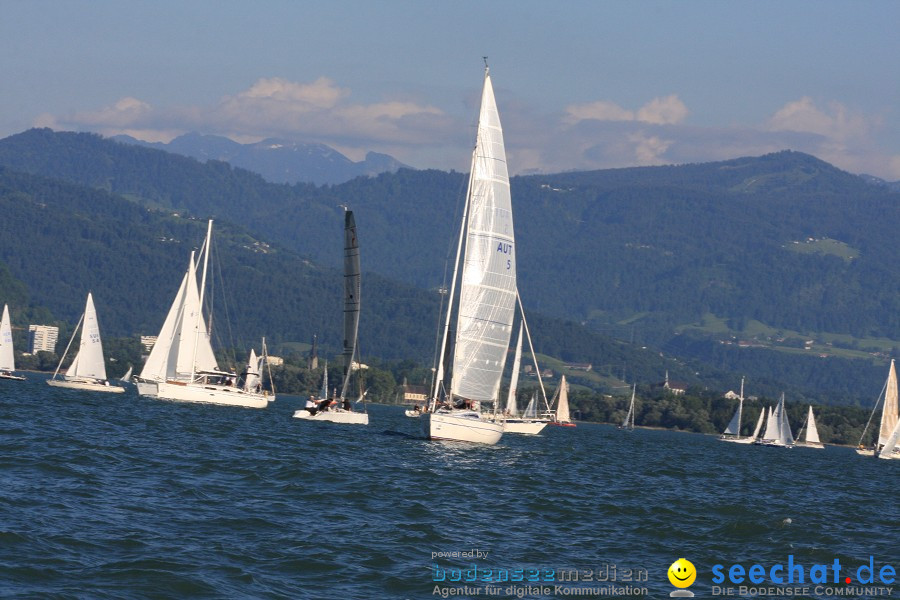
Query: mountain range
<point x="780" y="267"/>
<point x="278" y="161"/>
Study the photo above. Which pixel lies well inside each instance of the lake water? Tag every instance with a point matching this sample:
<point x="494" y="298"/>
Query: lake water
<point x="105" y="496"/>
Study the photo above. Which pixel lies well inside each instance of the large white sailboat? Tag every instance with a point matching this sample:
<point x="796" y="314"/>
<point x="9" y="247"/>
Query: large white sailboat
<point x="181" y="365"/>
<point x="890" y="417"/>
<point x="778" y="428"/>
<point x="340" y="409"/>
<point x="808" y="436"/>
<point x="7" y="355"/>
<point x="88" y="370"/>
<point x="486" y="302"/>
<point x="732" y="433"/>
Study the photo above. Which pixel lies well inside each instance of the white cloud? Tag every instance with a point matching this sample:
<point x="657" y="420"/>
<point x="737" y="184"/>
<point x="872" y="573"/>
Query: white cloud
<point x="669" y="110"/>
<point x="836" y="123"/>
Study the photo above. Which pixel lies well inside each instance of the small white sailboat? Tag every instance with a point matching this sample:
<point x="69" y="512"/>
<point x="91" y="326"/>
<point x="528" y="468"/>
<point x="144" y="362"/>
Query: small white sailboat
<point x="732" y="433"/>
<point x="88" y="370"/>
<point x="7" y="354"/>
<point x="890" y="417"/>
<point x="778" y="428"/>
<point x="181" y="365"/>
<point x="528" y="422"/>
<point x="808" y="436"/>
<point x="126" y="378"/>
<point x="562" y="417"/>
<point x="628" y="422"/>
<point x="340" y="409"/>
<point x="252" y="377"/>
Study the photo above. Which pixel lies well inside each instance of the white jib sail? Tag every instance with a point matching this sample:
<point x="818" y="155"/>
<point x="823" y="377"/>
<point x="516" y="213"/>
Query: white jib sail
<point x="812" y="432"/>
<point x="772" y="426"/>
<point x="89" y="360"/>
<point x="890" y="408"/>
<point x="156" y="367"/>
<point x="511" y="407"/>
<point x="759" y="422"/>
<point x="734" y="426"/>
<point x="252" y="372"/>
<point x="7" y="357"/>
<point x="784" y="435"/>
<point x="488" y="282"/>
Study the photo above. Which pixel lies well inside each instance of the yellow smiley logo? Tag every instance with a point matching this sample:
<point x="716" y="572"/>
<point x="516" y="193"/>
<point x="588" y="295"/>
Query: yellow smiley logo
<point x="682" y="573"/>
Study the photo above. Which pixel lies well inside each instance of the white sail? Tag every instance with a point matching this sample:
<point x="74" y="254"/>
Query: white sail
<point x="628" y="423"/>
<point x="253" y="372"/>
<point x="890" y="445"/>
<point x="88" y="363"/>
<point x="889" y="412"/>
<point x="562" y="406"/>
<point x="191" y="351"/>
<point x="772" y="426"/>
<point x="324" y="392"/>
<point x="812" y="432"/>
<point x="734" y="426"/>
<point x="127" y="376"/>
<point x="156" y="366"/>
<point x="488" y="282"/>
<point x="7" y="356"/>
<point x="511" y="408"/>
<point x="531" y="410"/>
<point x="784" y="434"/>
<point x="759" y="422"/>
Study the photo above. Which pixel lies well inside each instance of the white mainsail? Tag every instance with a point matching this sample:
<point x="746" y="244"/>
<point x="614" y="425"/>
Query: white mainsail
<point x="253" y="372"/>
<point x="784" y="435"/>
<point x="7" y="356"/>
<point x="488" y="283"/>
<point x="531" y="410"/>
<point x="511" y="408"/>
<point x="88" y="363"/>
<point x="889" y="412"/>
<point x="628" y="423"/>
<point x="771" y="432"/>
<point x="562" y="405"/>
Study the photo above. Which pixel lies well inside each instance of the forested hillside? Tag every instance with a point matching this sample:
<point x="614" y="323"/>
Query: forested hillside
<point x="784" y="244"/>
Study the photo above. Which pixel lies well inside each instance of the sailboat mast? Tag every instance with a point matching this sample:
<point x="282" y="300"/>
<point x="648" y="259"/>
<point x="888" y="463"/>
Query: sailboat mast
<point x="202" y="290"/>
<point x="740" y="408"/>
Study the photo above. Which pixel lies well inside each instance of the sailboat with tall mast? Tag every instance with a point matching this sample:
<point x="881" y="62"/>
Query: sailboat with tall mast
<point x="486" y="301"/>
<point x="181" y="365"/>
<point x="340" y="409"/>
<point x="7" y="354"/>
<point x="808" y="436"/>
<point x="88" y="369"/>
<point x="890" y="417"/>
<point x="732" y="433"/>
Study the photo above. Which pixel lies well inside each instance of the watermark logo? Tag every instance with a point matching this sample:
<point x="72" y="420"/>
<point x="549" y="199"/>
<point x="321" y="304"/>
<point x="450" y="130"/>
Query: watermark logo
<point x="682" y="574"/>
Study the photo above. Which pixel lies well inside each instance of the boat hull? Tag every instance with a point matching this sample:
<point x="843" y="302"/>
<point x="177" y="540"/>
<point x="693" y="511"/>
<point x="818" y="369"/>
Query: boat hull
<point x="11" y="377"/>
<point x="562" y="423"/>
<point x="146" y="388"/>
<point x="737" y="440"/>
<point x="461" y="426"/>
<point x="88" y="386"/>
<point x="334" y="416"/>
<point x="815" y="445"/>
<point x="413" y="414"/>
<point x="523" y="427"/>
<point x="209" y="394"/>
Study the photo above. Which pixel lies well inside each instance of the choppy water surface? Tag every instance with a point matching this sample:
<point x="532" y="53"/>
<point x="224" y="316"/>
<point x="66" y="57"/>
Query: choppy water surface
<point x="124" y="497"/>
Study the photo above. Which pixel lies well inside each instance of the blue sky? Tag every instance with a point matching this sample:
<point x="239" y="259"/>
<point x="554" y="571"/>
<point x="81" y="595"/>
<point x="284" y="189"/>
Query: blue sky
<point x="580" y="85"/>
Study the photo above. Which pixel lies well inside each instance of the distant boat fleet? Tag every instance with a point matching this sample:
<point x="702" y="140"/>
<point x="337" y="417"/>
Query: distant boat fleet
<point x="463" y="403"/>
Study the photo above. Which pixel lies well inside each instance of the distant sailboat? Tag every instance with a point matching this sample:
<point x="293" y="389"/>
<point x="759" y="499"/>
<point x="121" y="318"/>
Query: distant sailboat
<point x="890" y="417"/>
<point x="628" y="423"/>
<point x="340" y="409"/>
<point x="7" y="355"/>
<point x="778" y="428"/>
<point x="88" y="369"/>
<point x="732" y="433"/>
<point x="485" y="304"/>
<point x="562" y="405"/>
<point x="181" y="365"/>
<point x="126" y="378"/>
<point x="527" y="422"/>
<point x="808" y="436"/>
